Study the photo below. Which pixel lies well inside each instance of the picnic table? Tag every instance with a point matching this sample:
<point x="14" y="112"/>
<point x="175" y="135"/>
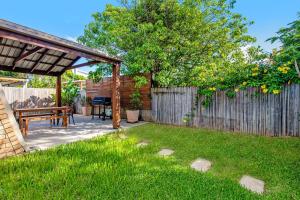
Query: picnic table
<point x="45" y="113"/>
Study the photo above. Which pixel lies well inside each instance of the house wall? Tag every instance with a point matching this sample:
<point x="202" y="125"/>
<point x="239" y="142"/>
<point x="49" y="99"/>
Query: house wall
<point x="11" y="139"/>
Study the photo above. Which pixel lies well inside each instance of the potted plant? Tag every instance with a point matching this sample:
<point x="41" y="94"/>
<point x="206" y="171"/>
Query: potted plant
<point x="86" y="105"/>
<point x="133" y="111"/>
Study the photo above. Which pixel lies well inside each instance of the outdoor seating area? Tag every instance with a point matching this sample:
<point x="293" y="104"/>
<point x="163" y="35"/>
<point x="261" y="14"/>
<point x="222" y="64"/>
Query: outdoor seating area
<point x="52" y="114"/>
<point x="42" y="135"/>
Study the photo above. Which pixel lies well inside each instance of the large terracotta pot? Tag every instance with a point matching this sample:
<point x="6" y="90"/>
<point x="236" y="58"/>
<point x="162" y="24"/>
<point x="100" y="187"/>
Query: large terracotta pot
<point x="86" y="110"/>
<point x="132" y="116"/>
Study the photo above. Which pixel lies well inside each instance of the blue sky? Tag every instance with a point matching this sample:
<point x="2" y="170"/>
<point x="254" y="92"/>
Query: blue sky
<point x="67" y="18"/>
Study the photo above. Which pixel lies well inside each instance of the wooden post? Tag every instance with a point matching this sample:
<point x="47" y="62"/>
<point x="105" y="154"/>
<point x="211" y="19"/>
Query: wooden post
<point x="116" y="110"/>
<point x="58" y="91"/>
<point x="65" y="118"/>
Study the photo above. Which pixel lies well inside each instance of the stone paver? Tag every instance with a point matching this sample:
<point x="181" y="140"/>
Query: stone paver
<point x="165" y="152"/>
<point x="252" y="184"/>
<point x="201" y="165"/>
<point x="142" y="144"/>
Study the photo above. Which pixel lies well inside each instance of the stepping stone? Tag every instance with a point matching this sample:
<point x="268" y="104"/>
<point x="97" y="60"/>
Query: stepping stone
<point x="142" y="144"/>
<point x="252" y="184"/>
<point x="201" y="165"/>
<point x="165" y="152"/>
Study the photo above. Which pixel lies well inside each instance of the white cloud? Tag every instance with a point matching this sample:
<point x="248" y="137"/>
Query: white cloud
<point x="73" y="39"/>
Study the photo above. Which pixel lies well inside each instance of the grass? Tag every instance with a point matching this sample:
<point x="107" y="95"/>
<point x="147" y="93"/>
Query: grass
<point x="111" y="168"/>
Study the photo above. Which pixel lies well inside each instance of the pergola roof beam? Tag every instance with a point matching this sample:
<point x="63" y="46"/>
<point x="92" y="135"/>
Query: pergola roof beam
<point x="71" y="64"/>
<point x="21" y="53"/>
<point x="83" y="65"/>
<point x="28" y="71"/>
<point x="25" y="55"/>
<point x="57" y="47"/>
<point x="56" y="62"/>
<point x="39" y="60"/>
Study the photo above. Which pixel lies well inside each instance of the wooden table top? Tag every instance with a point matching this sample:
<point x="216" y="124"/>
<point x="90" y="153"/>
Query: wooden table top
<point x="40" y="109"/>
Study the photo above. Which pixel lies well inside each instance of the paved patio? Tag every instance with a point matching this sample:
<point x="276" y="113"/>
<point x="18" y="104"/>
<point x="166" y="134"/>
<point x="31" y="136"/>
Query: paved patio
<point x="42" y="136"/>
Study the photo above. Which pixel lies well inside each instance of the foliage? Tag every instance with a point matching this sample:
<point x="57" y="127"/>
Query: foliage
<point x="174" y="40"/>
<point x="38" y="81"/>
<point x="69" y="93"/>
<point x="135" y="97"/>
<point x="135" y="100"/>
<point x="289" y="53"/>
<point x="69" y="75"/>
<point x="106" y="167"/>
<point x="12" y="74"/>
<point x="101" y="71"/>
<point x="266" y="73"/>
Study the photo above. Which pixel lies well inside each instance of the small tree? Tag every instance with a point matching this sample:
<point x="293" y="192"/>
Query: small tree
<point x="289" y="52"/>
<point x="135" y="97"/>
<point x="38" y="81"/>
<point x="135" y="100"/>
<point x="178" y="41"/>
<point x="69" y="93"/>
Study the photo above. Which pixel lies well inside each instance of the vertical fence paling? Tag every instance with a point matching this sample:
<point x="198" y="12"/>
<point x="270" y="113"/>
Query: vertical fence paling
<point x="273" y="115"/>
<point x="28" y="97"/>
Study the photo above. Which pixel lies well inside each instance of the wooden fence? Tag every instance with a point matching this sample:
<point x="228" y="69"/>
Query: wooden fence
<point x="272" y="115"/>
<point x="28" y="97"/>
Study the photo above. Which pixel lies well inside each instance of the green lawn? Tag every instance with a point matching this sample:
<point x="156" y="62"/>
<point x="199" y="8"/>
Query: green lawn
<point x="111" y="168"/>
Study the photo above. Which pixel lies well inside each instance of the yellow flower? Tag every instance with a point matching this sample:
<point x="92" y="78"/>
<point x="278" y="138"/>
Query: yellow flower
<point x="276" y="91"/>
<point x="236" y="89"/>
<point x="265" y="90"/>
<point x="212" y="89"/>
<point x="255" y="69"/>
<point x="254" y="74"/>
<point x="289" y="82"/>
<point x="263" y="87"/>
<point x="265" y="71"/>
<point x="283" y="69"/>
<point x="244" y="83"/>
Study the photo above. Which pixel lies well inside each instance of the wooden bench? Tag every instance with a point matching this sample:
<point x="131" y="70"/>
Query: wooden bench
<point x="45" y="113"/>
<point x="38" y="117"/>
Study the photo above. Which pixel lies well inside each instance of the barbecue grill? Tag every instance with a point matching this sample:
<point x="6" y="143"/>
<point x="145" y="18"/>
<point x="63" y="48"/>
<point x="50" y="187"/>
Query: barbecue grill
<point x="101" y="102"/>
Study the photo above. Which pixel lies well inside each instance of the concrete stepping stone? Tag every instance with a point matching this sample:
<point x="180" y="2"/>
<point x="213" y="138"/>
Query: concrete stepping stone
<point x="165" y="152"/>
<point x="252" y="184"/>
<point x="142" y="144"/>
<point x="201" y="165"/>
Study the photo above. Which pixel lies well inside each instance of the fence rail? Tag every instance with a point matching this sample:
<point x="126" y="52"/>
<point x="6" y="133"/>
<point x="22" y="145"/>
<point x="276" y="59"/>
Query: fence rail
<point x="28" y="97"/>
<point x="272" y="115"/>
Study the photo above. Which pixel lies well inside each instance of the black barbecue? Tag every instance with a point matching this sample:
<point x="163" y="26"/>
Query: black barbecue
<point x="101" y="102"/>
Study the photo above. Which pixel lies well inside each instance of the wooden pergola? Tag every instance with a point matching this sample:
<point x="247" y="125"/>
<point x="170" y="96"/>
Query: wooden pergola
<point x="29" y="51"/>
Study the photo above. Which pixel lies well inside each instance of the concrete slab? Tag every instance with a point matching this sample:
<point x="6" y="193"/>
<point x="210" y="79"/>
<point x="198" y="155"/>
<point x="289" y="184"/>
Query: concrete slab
<point x="142" y="144"/>
<point x="252" y="184"/>
<point x="201" y="165"/>
<point x="42" y="136"/>
<point x="165" y="152"/>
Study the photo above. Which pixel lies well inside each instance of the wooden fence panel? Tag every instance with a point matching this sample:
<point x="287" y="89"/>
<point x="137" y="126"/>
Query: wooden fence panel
<point x="272" y="115"/>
